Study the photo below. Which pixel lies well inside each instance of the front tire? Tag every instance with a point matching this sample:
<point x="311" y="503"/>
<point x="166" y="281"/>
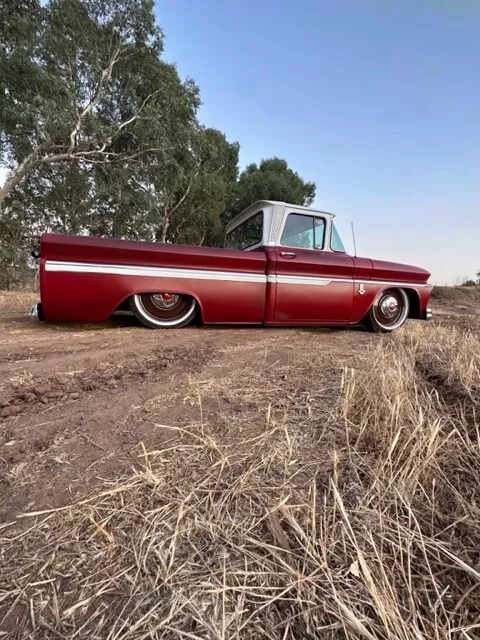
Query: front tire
<point x="163" y="310"/>
<point x="389" y="311"/>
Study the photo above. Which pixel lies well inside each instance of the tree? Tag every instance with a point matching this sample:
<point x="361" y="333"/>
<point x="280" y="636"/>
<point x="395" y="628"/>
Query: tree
<point x="13" y="259"/>
<point x="214" y="172"/>
<point x="178" y="198"/>
<point x="271" y="180"/>
<point x="86" y="85"/>
<point x="99" y="135"/>
<point x="87" y="108"/>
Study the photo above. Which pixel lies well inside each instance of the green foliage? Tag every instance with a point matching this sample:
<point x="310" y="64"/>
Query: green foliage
<point x="99" y="135"/>
<point x="15" y="247"/>
<point x="89" y="86"/>
<point x="22" y="81"/>
<point x="198" y="218"/>
<point x="271" y="180"/>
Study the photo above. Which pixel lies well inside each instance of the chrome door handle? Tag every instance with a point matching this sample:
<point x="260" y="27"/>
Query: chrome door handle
<point x="288" y="254"/>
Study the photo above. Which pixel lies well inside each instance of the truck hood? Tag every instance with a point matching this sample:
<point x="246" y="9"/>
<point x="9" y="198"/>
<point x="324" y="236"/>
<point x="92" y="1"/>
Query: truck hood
<point x="383" y="270"/>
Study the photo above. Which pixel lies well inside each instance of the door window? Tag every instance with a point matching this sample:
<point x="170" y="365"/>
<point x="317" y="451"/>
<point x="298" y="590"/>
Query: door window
<point x="303" y="231"/>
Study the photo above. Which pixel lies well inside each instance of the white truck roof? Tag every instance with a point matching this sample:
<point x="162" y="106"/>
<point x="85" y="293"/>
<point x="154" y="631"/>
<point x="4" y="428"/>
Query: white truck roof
<point x="275" y="209"/>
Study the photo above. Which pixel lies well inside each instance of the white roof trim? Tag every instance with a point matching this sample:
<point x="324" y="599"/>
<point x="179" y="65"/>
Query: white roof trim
<point x="261" y="204"/>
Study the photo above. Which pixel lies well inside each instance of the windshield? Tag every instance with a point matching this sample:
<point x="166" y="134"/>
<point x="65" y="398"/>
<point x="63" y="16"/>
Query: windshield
<point x="247" y="234"/>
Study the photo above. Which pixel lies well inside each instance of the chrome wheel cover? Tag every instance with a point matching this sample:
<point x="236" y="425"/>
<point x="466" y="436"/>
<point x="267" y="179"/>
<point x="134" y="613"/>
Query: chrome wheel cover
<point x="389" y="306"/>
<point x="165" y="301"/>
<point x="391" y="309"/>
<point x="165" y="309"/>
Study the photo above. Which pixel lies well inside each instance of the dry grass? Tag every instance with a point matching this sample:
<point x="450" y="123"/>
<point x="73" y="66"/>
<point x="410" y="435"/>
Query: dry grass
<point x="357" y="519"/>
<point x="456" y="294"/>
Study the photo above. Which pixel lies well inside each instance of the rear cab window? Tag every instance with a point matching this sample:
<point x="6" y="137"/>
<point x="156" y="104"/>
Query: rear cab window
<point x="303" y="231"/>
<point x="246" y="235"/>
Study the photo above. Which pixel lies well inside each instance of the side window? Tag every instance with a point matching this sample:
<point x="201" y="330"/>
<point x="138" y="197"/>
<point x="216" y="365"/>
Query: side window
<point x="336" y="243"/>
<point x="304" y="232"/>
<point x="247" y="234"/>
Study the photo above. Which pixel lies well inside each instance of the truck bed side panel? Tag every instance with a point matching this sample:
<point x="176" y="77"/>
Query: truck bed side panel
<point x="86" y="279"/>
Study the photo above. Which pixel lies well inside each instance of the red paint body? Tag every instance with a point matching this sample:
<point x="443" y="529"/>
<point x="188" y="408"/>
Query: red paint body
<point x="307" y="304"/>
<point x="92" y="297"/>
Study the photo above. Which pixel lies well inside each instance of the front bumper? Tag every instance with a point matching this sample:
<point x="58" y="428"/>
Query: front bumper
<point x="428" y="315"/>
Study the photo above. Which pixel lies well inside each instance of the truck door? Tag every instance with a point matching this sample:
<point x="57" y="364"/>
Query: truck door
<point x="313" y="284"/>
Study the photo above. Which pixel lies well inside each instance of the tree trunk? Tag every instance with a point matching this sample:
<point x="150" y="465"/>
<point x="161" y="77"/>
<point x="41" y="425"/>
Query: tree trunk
<point x="17" y="175"/>
<point x="162" y="231"/>
<point x="163" y="235"/>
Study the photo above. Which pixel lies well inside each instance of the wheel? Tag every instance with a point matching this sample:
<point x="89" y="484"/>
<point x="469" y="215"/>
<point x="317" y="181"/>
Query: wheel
<point x="389" y="311"/>
<point x="163" y="310"/>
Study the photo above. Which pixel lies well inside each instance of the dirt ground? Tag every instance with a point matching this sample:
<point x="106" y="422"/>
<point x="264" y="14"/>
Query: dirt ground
<point x="76" y="401"/>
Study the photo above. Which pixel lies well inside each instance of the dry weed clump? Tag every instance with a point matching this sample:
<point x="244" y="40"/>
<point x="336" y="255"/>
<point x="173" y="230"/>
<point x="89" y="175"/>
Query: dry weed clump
<point x="251" y="537"/>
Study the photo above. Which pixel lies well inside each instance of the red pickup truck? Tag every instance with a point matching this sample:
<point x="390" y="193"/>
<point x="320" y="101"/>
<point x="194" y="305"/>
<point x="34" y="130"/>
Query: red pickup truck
<point x="282" y="265"/>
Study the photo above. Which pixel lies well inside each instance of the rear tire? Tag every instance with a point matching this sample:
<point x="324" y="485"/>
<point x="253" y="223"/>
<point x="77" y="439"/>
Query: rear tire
<point x="389" y="311"/>
<point x="163" y="310"/>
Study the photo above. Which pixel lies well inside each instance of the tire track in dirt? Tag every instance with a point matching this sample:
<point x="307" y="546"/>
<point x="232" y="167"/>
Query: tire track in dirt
<point x="22" y="395"/>
<point x="57" y="427"/>
<point x="76" y="410"/>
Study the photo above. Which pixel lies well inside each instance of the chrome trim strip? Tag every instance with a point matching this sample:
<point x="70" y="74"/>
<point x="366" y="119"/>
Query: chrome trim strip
<point x="393" y="283"/>
<point x="309" y="280"/>
<point x="362" y="283"/>
<point x="205" y="274"/>
<point x="158" y="272"/>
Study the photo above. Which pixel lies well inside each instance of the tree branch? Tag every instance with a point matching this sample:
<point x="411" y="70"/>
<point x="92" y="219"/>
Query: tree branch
<point x="185" y="195"/>
<point x="32" y="161"/>
<point x="19" y="173"/>
<point x="104" y="78"/>
<point x="165" y="224"/>
<point x="136" y="116"/>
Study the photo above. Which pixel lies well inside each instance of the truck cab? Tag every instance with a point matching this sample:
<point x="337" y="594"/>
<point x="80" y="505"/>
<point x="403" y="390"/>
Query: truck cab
<point x="308" y="266"/>
<point x="313" y="276"/>
<point x="267" y="223"/>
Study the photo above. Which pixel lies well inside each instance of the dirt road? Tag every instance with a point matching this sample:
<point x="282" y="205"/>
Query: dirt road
<point x="76" y="401"/>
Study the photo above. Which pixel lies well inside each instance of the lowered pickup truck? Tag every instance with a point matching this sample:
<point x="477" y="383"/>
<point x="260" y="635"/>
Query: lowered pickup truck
<point x="282" y="265"/>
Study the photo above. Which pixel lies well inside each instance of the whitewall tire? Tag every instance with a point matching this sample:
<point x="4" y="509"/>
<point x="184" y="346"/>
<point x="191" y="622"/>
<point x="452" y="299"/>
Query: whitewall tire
<point x="163" y="310"/>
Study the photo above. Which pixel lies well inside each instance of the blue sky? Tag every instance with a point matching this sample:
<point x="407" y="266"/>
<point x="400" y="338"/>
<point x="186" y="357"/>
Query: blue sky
<point x="377" y="101"/>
